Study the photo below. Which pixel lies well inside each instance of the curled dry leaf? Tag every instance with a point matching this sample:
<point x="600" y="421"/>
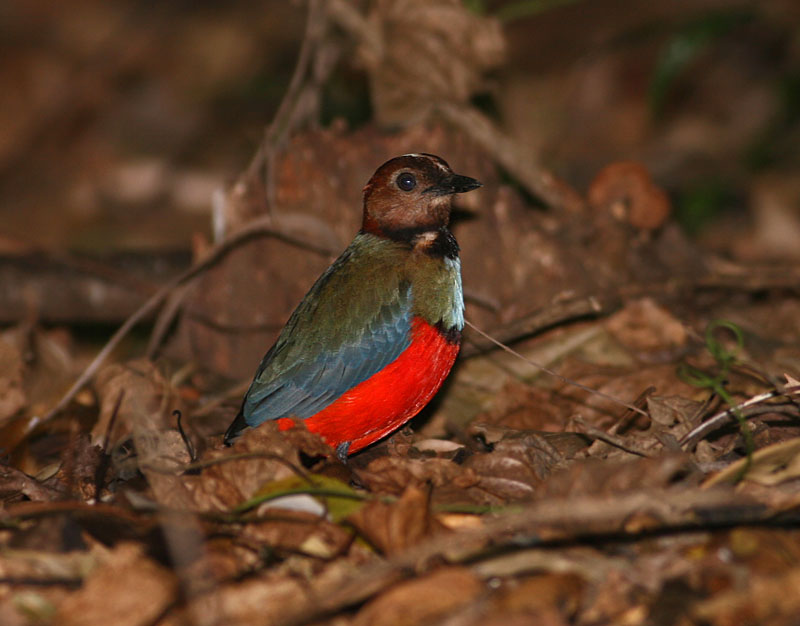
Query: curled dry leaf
<point x="14" y="481"/>
<point x="626" y="191"/>
<point x="393" y="527"/>
<point x="268" y="454"/>
<point x="127" y="589"/>
<point x="253" y="601"/>
<point x="222" y="559"/>
<point x="514" y="469"/>
<point x="430" y="50"/>
<point x="670" y="410"/>
<point x="423" y="600"/>
<point x="146" y="401"/>
<point x="275" y="596"/>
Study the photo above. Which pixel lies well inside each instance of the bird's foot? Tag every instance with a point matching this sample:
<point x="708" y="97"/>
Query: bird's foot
<point x="342" y="450"/>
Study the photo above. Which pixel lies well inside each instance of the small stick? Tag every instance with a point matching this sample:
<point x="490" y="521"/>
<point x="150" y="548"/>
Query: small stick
<point x="728" y="415"/>
<point x="612" y="440"/>
<point x="102" y="465"/>
<point x="186" y="441"/>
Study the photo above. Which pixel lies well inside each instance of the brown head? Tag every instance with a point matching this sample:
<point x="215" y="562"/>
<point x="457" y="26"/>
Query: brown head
<point x="411" y="193"/>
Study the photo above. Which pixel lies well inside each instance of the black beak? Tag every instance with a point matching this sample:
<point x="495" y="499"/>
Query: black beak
<point x="455" y="183"/>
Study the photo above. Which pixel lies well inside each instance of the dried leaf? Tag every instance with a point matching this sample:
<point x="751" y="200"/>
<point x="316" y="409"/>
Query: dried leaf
<point x="127" y="589"/>
<point x="77" y="473"/>
<point x="393" y="527"/>
<point x="669" y="410"/>
<point x="514" y="469"/>
<point x="769" y="466"/>
<point x="393" y="474"/>
<point x="542" y="593"/>
<point x="48" y="370"/>
<point x="13" y="481"/>
<point x="261" y="455"/>
<point x="422" y="600"/>
<point x="145" y="399"/>
<point x="791" y="381"/>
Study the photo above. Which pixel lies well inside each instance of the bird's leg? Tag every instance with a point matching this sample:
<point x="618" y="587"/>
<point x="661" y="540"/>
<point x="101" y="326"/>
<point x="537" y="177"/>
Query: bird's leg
<point x="341" y="451"/>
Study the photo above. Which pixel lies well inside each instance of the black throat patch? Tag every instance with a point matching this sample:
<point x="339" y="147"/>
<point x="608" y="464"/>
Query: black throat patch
<point x="451" y="335"/>
<point x="438" y="243"/>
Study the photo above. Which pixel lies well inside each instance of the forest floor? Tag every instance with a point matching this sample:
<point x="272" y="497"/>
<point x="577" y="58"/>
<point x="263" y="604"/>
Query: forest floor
<point x="619" y="441"/>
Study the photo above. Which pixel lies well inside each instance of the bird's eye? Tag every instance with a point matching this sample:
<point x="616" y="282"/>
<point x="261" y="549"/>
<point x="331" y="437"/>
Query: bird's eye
<point x="406" y="181"/>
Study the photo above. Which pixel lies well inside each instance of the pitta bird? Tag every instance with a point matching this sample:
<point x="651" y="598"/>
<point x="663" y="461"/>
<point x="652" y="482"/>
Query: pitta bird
<point x="377" y="334"/>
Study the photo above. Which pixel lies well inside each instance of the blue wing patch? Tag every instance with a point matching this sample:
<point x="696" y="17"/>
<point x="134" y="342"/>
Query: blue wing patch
<point x="305" y="371"/>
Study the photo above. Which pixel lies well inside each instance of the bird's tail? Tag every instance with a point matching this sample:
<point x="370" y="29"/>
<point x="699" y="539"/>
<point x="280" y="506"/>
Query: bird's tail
<point x="235" y="429"/>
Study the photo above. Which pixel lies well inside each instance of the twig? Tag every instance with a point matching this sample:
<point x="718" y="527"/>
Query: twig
<point x="285" y="117"/>
<point x="518" y="162"/>
<point x="612" y="440"/>
<point x="164" y="320"/>
<point x="260" y="227"/>
<point x="28" y="581"/>
<point x="280" y="126"/>
<point x="105" y="460"/>
<point x="549" y="317"/>
<point x="186" y="441"/>
<point x="510" y="155"/>
<point x="284" y="120"/>
<point x="351" y="20"/>
<point x="228" y="458"/>
<point x="728" y="415"/>
<point x="735" y="278"/>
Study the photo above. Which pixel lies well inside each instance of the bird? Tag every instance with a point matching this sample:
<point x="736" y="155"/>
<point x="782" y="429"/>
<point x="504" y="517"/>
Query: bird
<point x="377" y="334"/>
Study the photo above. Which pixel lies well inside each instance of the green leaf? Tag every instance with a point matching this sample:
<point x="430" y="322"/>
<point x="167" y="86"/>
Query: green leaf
<point x="339" y="499"/>
<point x="716" y="383"/>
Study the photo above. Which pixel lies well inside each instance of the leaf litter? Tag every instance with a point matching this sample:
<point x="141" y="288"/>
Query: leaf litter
<point x="505" y="515"/>
<point x="671" y="497"/>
